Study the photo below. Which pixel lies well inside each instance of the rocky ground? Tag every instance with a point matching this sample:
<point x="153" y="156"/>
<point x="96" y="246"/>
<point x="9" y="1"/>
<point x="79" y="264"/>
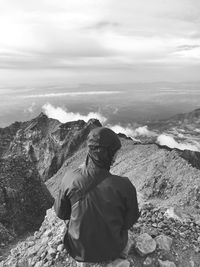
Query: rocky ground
<point x="159" y="239"/>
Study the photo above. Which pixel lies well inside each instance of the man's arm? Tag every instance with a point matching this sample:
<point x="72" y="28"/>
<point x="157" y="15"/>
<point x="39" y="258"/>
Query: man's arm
<point x="62" y="205"/>
<point x="132" y="210"/>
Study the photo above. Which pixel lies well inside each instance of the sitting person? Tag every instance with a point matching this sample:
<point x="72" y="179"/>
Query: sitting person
<point x="100" y="206"/>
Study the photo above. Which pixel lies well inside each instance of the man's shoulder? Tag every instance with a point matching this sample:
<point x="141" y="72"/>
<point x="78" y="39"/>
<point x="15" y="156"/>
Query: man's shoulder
<point x="121" y="180"/>
<point x="119" y="177"/>
<point x="70" y="176"/>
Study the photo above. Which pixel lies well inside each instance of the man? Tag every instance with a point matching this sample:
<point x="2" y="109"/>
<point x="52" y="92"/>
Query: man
<point x="100" y="206"/>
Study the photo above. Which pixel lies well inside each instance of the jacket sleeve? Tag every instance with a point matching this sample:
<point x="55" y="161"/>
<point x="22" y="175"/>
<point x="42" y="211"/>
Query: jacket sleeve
<point x="132" y="210"/>
<point x="62" y="205"/>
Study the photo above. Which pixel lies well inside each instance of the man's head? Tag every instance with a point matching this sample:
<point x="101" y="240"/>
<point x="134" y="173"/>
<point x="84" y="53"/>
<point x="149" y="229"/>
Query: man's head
<point x="103" y="144"/>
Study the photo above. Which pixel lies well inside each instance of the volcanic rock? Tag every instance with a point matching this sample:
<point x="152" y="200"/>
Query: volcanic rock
<point x="145" y="244"/>
<point x="163" y="242"/>
<point x="148" y="261"/>
<point x="119" y="263"/>
<point x="166" y="263"/>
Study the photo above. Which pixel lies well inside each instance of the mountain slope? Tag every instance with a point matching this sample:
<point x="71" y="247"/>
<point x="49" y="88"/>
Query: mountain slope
<point x="162" y="178"/>
<point x="47" y="142"/>
<point x="31" y="152"/>
<point x="155" y="171"/>
<point x="23" y="197"/>
<point x="43" y="149"/>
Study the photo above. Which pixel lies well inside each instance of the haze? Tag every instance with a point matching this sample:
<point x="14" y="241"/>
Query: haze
<point x="54" y="47"/>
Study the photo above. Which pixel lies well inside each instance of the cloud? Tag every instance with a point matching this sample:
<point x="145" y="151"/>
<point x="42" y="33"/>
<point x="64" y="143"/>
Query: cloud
<point x="31" y="108"/>
<point x="143" y="130"/>
<point x="64" y="116"/>
<point x="187" y="47"/>
<point x="72" y="94"/>
<point x="166" y="140"/>
<point x="124" y="130"/>
<point x="56" y="33"/>
<point x="133" y="133"/>
<point x="101" y="25"/>
<point x="99" y="40"/>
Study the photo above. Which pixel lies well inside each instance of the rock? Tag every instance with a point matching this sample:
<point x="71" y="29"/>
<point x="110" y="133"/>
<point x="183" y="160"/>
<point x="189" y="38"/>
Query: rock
<point x="39" y="264"/>
<point x="164" y="242"/>
<point x="30" y="243"/>
<point x="148" y="261"/>
<point x="48" y="233"/>
<point x="60" y="247"/>
<point x="44" y="240"/>
<point x="145" y="244"/>
<point x="183" y="235"/>
<point x="52" y="252"/>
<point x="32" y="250"/>
<point x="170" y="213"/>
<point x="119" y="263"/>
<point x="166" y="263"/>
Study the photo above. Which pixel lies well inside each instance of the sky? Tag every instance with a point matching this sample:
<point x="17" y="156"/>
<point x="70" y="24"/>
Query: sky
<point x="103" y="41"/>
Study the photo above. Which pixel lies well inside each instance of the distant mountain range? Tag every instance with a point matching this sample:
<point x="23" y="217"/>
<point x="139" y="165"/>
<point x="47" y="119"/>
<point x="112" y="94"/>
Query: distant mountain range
<point x="187" y="121"/>
<point x="183" y="127"/>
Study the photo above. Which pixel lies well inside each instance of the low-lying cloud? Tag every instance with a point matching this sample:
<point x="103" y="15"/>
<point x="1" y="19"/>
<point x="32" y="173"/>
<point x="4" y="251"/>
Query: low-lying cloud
<point x="144" y="131"/>
<point x="72" y="94"/>
<point x="133" y="133"/>
<point x="166" y="140"/>
<point x="64" y="116"/>
<point x="124" y="130"/>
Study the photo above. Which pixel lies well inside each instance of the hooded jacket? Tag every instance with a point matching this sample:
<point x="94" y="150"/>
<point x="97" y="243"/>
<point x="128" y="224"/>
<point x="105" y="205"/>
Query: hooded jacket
<point x="100" y="206"/>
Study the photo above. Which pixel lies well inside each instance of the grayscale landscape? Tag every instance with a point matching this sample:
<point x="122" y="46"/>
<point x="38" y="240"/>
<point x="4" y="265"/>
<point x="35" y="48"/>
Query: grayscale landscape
<point x="67" y="67"/>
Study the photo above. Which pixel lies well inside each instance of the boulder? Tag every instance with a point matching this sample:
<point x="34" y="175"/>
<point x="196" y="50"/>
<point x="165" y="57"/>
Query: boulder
<point x="166" y="263"/>
<point x="163" y="242"/>
<point x="148" y="261"/>
<point x="119" y="263"/>
<point x="145" y="244"/>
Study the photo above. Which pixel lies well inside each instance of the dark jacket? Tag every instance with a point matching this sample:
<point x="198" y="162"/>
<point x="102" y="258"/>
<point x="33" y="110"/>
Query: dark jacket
<point x="100" y="207"/>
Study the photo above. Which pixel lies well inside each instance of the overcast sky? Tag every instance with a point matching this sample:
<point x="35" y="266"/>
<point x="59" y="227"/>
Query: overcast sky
<point x="75" y="41"/>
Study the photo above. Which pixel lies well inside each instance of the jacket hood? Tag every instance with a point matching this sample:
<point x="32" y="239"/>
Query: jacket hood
<point x="102" y="144"/>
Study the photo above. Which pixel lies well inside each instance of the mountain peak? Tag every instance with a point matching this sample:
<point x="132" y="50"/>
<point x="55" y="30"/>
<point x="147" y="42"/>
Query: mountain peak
<point x="42" y="116"/>
<point x="94" y="122"/>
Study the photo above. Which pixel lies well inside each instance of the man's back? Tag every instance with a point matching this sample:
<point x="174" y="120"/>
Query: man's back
<point x="101" y="208"/>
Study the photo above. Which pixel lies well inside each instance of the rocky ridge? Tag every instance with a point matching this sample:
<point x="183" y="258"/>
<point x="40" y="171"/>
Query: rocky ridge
<point x="31" y="152"/>
<point x="47" y="142"/>
<point x="162" y="176"/>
